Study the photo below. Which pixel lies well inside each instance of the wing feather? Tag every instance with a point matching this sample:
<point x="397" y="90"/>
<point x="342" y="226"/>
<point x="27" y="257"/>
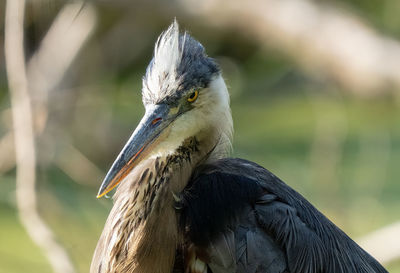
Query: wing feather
<point x="248" y="221"/>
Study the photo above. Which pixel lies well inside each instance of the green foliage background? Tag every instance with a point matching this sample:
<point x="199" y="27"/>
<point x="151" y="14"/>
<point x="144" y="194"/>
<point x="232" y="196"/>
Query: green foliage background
<point x="340" y="151"/>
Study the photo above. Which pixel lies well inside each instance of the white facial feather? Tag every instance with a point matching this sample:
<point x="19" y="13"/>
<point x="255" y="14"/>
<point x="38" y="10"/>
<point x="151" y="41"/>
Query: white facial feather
<point x="210" y="117"/>
<point x="162" y="72"/>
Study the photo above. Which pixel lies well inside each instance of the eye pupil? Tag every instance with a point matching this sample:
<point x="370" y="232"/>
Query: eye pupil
<point x="193" y="96"/>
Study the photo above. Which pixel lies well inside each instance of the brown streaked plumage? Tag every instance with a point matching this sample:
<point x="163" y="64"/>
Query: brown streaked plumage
<point x="184" y="207"/>
<point x="143" y="220"/>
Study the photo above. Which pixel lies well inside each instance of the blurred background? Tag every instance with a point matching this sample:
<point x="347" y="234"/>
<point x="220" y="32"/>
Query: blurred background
<point x="314" y="93"/>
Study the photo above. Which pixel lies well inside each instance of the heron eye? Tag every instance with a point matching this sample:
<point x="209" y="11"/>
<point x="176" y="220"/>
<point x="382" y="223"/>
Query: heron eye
<point x="193" y="96"/>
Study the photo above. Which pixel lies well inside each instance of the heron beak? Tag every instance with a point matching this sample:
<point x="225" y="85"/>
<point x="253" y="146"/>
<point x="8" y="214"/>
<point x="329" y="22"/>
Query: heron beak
<point x="156" y="119"/>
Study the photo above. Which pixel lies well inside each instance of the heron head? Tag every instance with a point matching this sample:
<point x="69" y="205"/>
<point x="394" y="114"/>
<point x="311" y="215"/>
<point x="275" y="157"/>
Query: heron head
<point x="185" y="96"/>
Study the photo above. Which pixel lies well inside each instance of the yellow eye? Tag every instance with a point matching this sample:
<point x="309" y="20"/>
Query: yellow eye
<point x="193" y="96"/>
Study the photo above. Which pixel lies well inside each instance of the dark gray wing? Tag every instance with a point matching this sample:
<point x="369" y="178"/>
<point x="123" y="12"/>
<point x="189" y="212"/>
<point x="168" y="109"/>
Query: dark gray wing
<point x="244" y="219"/>
<point x="245" y="248"/>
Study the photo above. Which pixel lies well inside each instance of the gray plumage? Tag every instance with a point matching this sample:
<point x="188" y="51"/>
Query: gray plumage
<point x="272" y="228"/>
<point x="183" y="207"/>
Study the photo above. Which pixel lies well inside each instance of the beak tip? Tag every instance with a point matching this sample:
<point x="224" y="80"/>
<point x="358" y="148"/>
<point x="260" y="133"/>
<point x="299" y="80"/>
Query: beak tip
<point x="102" y="192"/>
<point x="105" y="189"/>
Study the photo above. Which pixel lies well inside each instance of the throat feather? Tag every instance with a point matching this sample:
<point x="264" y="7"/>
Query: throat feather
<point x="142" y="234"/>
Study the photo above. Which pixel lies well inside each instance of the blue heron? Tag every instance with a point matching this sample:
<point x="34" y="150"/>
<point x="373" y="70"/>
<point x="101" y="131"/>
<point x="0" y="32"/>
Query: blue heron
<point x="183" y="205"/>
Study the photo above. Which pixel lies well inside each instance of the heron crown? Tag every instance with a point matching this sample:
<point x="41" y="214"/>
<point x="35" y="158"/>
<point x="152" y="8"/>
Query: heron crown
<point x="179" y="64"/>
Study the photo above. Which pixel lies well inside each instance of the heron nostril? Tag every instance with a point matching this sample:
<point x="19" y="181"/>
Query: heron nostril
<point x="156" y="121"/>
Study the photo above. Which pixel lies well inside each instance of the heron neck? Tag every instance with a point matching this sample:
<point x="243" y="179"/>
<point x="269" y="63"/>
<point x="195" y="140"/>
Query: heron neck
<point x="143" y="220"/>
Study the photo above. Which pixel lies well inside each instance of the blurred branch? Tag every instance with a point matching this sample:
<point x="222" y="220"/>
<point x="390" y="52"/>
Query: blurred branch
<point x="320" y="38"/>
<point x="384" y="243"/>
<point x="47" y="67"/>
<point x="40" y="233"/>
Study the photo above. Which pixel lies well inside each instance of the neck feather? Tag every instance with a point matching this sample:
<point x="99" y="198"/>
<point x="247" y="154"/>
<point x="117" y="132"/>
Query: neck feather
<point x="143" y="219"/>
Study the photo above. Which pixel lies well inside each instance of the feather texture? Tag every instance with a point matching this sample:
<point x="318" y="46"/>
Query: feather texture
<point x="174" y="213"/>
<point x="247" y="221"/>
<point x="179" y="63"/>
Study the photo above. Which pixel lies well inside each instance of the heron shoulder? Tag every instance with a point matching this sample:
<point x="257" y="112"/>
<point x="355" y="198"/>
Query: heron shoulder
<point x="218" y="192"/>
